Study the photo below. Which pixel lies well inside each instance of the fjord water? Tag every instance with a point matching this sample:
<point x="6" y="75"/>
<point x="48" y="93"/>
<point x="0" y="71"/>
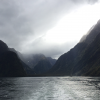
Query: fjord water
<point x="50" y="88"/>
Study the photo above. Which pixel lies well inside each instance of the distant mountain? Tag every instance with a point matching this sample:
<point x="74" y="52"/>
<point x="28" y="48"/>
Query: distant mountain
<point x="39" y="63"/>
<point x="42" y="66"/>
<point x="35" y="64"/>
<point x="83" y="59"/>
<point x="10" y="65"/>
<point x="34" y="59"/>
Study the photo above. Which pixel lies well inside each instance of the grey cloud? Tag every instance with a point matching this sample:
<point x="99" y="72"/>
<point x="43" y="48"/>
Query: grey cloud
<point x="85" y="1"/>
<point x="14" y="26"/>
<point x="53" y="50"/>
<point x="22" y="20"/>
<point x="92" y="1"/>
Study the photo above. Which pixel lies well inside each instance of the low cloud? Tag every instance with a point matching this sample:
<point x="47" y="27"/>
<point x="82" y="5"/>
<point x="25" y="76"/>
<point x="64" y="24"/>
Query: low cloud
<point x="22" y="22"/>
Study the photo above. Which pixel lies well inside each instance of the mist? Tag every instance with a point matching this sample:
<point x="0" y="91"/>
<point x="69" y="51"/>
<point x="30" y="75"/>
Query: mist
<point x="26" y="25"/>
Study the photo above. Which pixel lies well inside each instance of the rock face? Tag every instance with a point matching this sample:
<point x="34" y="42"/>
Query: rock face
<point x="83" y="59"/>
<point x="10" y="64"/>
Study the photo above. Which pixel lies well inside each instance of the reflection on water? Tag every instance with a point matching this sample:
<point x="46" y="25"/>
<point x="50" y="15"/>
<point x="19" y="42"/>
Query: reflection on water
<point x="50" y="88"/>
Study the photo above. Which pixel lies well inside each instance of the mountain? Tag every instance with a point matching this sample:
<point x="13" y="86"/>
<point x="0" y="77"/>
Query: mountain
<point x="33" y="59"/>
<point x="52" y="61"/>
<point x="10" y="64"/>
<point x="35" y="64"/>
<point x="3" y="47"/>
<point x="83" y="59"/>
<point x="92" y="33"/>
<point x="66" y="62"/>
<point x="39" y="63"/>
<point x="18" y="54"/>
<point x="42" y="67"/>
<point x="91" y="58"/>
<point x="27" y="69"/>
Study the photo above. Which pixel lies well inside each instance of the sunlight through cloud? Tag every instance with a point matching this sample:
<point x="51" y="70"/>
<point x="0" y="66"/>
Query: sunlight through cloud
<point x="74" y="25"/>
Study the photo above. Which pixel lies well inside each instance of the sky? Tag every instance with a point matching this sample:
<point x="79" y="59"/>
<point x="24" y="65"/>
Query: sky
<point x="50" y="27"/>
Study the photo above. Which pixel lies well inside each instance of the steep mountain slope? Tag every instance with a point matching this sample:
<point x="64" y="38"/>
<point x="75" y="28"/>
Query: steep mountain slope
<point x="35" y="64"/>
<point x="65" y="63"/>
<point x="90" y="62"/>
<point x="92" y="33"/>
<point x="28" y="70"/>
<point x="3" y="47"/>
<point x="52" y="61"/>
<point x="10" y="64"/>
<point x="18" y="54"/>
<point x="83" y="59"/>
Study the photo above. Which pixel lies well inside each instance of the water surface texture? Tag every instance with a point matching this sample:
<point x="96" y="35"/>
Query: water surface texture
<point x="50" y="88"/>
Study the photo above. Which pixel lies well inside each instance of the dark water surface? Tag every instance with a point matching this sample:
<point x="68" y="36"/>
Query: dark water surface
<point x="50" y="88"/>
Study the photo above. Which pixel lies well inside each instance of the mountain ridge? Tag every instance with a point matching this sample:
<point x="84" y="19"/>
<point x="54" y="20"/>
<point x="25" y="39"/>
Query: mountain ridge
<point x="82" y="60"/>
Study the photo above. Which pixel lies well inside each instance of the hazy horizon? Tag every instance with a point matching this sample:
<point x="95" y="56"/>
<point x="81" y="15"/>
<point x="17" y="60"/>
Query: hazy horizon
<point x="49" y="27"/>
